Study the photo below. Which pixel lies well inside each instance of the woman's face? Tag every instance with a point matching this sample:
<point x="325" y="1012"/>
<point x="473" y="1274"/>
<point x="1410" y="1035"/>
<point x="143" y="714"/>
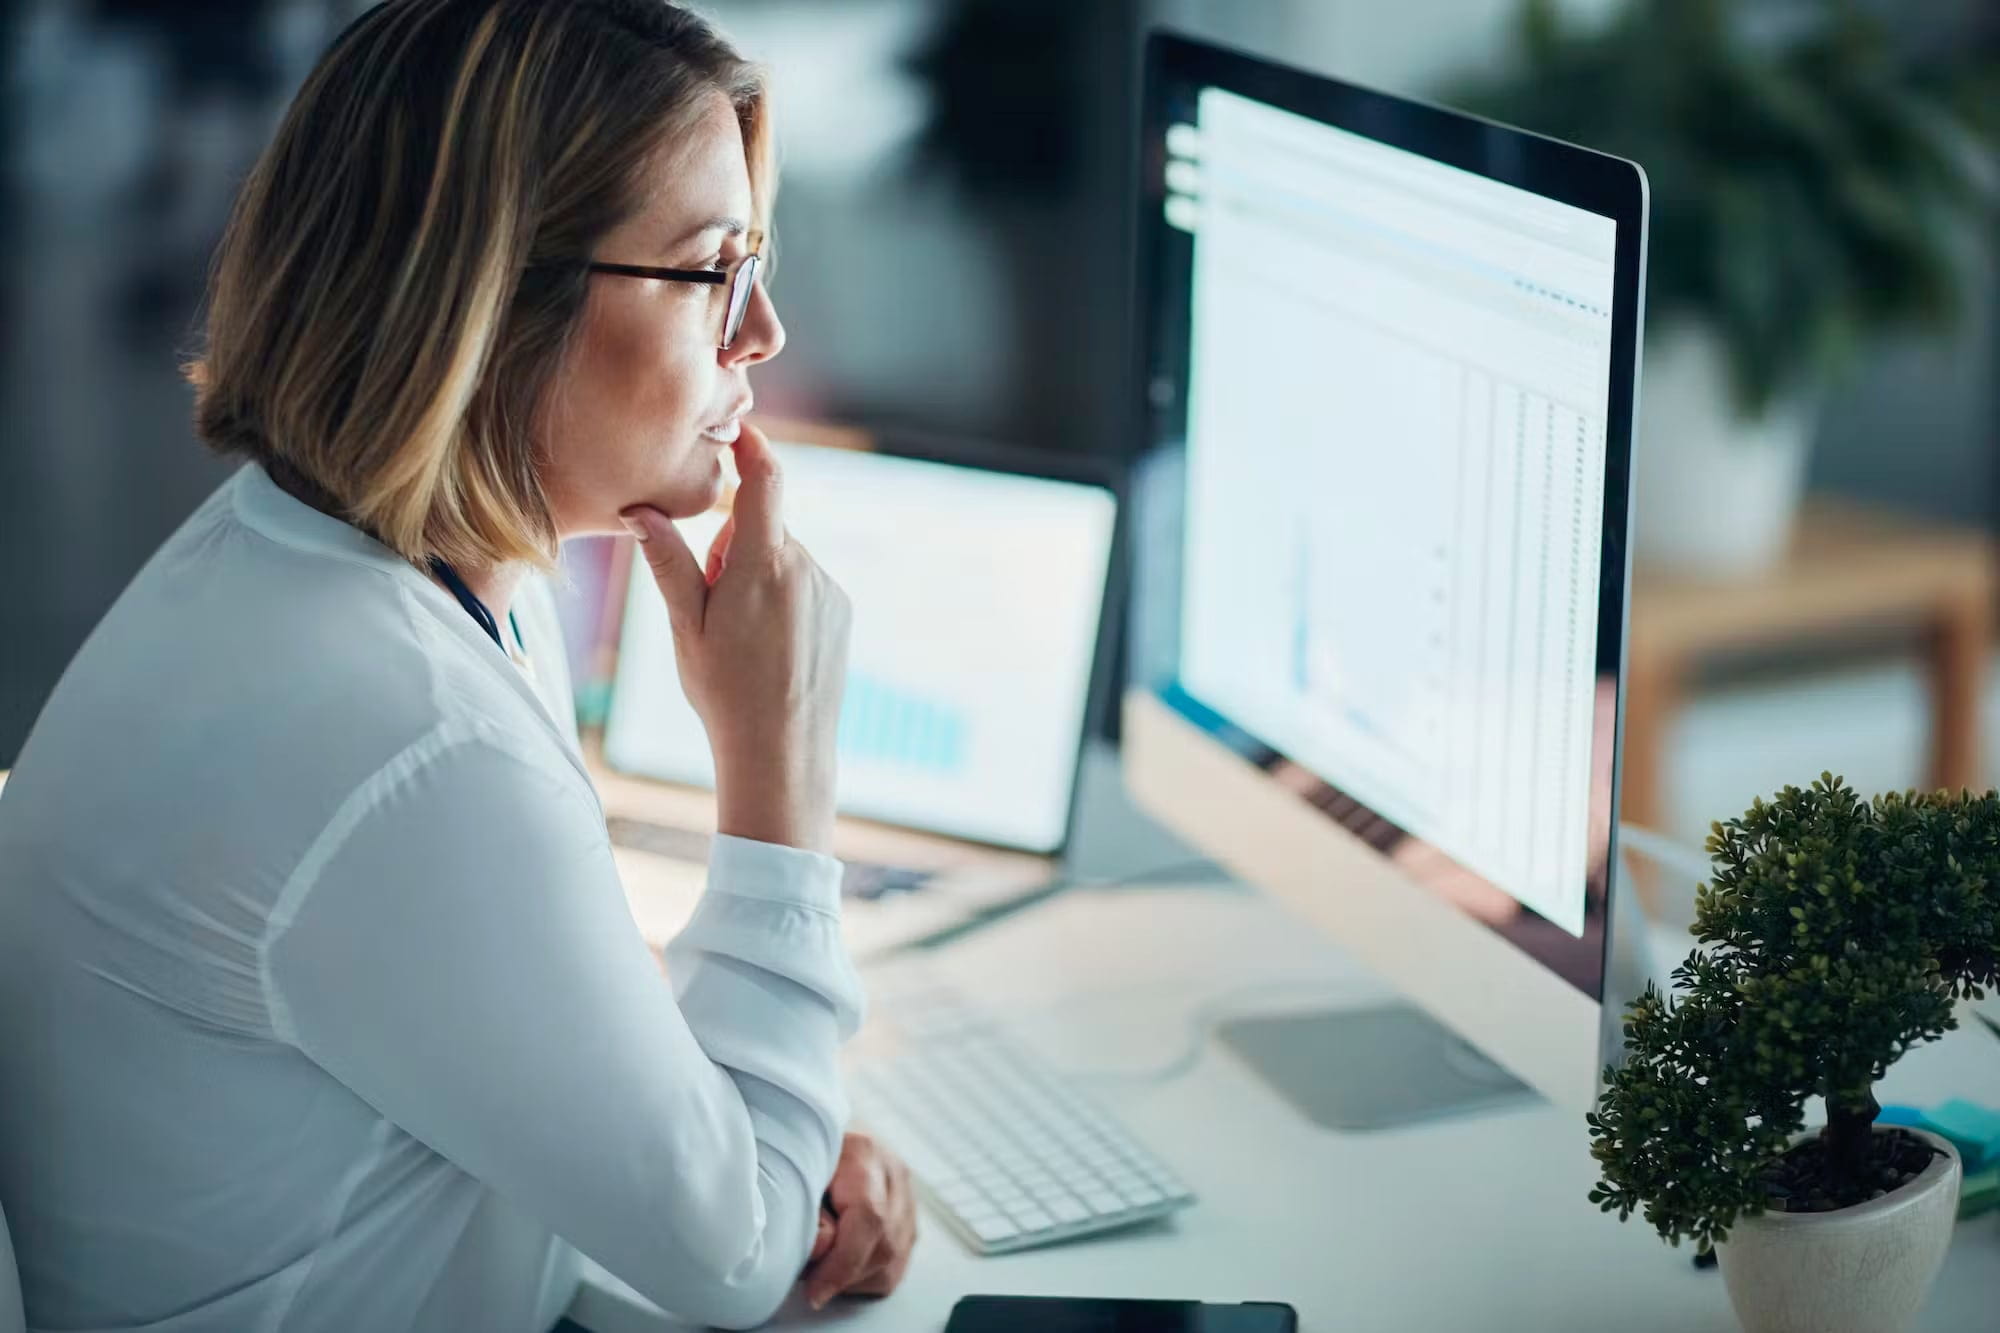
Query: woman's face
<point x="646" y="404"/>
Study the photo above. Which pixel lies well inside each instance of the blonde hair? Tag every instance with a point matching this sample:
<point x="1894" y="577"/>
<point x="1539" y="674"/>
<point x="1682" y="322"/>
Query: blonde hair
<point x="402" y="269"/>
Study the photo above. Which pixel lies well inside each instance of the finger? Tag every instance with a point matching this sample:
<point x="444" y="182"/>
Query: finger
<point x="824" y="1240"/>
<point x="673" y="566"/>
<point x="906" y="1212"/>
<point x="892" y="1259"/>
<point x="875" y="1273"/>
<point x="862" y="1172"/>
<point x="858" y="1177"/>
<point x="858" y="1235"/>
<point x="888" y="1275"/>
<point x="898" y="1192"/>
<point x="718" y="550"/>
<point x="758" y="510"/>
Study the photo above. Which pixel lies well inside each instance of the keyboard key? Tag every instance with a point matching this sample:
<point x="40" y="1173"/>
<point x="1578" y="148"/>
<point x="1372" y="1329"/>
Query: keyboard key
<point x="993" y="1229"/>
<point x="1068" y="1210"/>
<point x="958" y="1194"/>
<point x="1143" y="1196"/>
<point x="1103" y="1202"/>
<point x="1031" y="1219"/>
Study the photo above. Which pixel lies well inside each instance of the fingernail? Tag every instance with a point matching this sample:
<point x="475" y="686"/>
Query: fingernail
<point x="633" y="526"/>
<point x="817" y="1300"/>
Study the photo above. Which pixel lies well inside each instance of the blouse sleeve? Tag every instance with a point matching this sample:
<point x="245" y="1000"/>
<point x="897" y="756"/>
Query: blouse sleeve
<point x="457" y="951"/>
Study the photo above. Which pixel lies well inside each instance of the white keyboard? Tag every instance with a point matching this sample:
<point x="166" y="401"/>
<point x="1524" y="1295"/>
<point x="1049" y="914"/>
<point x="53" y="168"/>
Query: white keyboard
<point x="1002" y="1148"/>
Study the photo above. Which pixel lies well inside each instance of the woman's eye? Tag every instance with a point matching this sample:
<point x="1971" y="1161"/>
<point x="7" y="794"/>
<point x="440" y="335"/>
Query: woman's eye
<point x="716" y="265"/>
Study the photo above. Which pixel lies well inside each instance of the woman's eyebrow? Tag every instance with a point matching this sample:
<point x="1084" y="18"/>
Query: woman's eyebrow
<point x="728" y="226"/>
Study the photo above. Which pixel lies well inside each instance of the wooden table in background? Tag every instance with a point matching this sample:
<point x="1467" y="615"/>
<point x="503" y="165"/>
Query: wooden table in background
<point x="1851" y="572"/>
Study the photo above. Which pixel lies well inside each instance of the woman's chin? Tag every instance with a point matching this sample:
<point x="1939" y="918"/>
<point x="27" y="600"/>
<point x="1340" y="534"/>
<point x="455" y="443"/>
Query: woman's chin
<point x="710" y="492"/>
<point x="689" y="500"/>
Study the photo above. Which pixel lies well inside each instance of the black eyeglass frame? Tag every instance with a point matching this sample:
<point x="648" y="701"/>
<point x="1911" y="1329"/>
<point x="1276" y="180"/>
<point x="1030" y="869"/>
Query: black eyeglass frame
<point x="740" y="276"/>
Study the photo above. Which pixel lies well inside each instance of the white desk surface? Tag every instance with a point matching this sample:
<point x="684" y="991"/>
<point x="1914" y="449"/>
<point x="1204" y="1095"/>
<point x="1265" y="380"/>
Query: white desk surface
<point x="1477" y="1224"/>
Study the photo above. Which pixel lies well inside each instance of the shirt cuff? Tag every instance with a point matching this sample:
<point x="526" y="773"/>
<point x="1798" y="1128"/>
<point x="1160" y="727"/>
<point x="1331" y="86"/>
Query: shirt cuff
<point x="747" y="868"/>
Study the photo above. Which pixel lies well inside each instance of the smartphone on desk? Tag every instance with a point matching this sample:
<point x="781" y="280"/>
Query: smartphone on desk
<point x="1059" y="1314"/>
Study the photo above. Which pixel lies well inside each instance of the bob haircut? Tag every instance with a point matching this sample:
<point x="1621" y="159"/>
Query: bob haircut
<point x="403" y="267"/>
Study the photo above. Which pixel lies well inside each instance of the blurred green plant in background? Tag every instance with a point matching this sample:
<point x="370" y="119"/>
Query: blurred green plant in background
<point x="1815" y="183"/>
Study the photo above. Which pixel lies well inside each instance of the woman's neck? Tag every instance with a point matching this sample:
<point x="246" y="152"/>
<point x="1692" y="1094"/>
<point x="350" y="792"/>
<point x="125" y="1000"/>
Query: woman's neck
<point x="493" y="585"/>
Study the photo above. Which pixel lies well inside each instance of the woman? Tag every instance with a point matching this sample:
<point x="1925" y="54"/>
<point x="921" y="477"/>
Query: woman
<point x="320" y="1006"/>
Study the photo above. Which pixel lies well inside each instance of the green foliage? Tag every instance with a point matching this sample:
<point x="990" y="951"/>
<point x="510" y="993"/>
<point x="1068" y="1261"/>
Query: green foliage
<point x="1834" y="935"/>
<point x="1810" y="188"/>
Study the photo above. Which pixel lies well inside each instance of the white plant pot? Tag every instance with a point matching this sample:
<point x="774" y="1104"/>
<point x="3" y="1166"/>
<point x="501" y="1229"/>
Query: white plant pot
<point x="1865" y="1269"/>
<point x="1715" y="493"/>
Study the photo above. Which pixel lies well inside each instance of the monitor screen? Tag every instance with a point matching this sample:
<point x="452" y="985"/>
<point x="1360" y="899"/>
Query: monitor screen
<point x="977" y="600"/>
<point x="1384" y="351"/>
<point x="1396" y="415"/>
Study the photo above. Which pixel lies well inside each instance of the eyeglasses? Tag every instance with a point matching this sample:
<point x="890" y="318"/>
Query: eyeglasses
<point x="740" y="277"/>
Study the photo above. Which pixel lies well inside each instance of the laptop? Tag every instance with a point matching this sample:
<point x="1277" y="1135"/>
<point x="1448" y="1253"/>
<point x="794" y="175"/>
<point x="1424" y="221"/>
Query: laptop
<point x="980" y="585"/>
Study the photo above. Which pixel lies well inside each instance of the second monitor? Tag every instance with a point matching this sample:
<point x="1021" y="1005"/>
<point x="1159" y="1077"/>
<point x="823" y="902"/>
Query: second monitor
<point x="978" y="599"/>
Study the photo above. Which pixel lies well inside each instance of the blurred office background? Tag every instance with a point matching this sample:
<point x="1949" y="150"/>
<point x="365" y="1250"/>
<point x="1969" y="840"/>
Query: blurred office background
<point x="954" y="236"/>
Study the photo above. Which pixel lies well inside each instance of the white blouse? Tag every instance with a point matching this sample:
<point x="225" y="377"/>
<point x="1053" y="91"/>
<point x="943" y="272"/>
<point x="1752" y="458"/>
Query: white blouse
<point x="321" y="1007"/>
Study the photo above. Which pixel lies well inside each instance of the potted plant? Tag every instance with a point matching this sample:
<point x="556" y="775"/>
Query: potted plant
<point x="1819" y="179"/>
<point x="1833" y="936"/>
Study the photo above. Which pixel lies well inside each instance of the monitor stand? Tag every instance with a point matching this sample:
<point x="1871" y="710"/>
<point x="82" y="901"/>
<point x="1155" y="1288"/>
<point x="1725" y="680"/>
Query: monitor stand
<point x="1376" y="1068"/>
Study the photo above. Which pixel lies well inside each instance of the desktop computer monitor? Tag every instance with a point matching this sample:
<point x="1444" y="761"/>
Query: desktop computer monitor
<point x="1388" y="378"/>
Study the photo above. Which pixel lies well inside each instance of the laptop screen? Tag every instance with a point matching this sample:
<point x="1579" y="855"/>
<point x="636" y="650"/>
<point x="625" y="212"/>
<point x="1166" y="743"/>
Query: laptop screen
<point x="977" y="600"/>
